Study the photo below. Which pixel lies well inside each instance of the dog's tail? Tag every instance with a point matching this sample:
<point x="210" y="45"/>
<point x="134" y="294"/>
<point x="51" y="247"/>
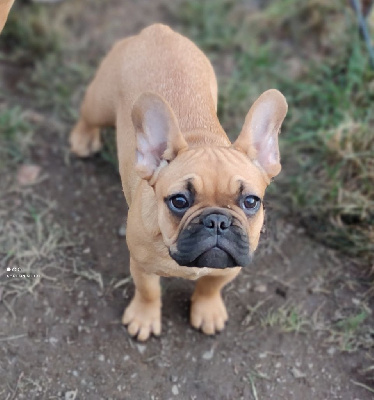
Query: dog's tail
<point x="5" y="6"/>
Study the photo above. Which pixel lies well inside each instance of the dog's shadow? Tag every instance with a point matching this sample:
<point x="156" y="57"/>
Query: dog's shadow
<point x="176" y="299"/>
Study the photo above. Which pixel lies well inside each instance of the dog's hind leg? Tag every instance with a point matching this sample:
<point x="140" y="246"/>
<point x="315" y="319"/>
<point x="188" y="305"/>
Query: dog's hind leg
<point x="85" y="139"/>
<point x="94" y="114"/>
<point x="85" y="136"/>
<point x="97" y="109"/>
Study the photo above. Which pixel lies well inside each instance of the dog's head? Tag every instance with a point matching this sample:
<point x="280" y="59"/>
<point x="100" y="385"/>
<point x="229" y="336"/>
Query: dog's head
<point x="209" y="197"/>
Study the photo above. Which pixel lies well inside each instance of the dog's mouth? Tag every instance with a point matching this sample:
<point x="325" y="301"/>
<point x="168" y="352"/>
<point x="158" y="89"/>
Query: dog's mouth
<point x="214" y="258"/>
<point x="213" y="240"/>
<point x="212" y="253"/>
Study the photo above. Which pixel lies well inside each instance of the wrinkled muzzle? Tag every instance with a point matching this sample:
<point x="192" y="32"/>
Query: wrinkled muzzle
<point x="215" y="240"/>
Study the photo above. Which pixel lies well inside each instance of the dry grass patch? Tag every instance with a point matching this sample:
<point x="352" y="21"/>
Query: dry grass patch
<point x="32" y="244"/>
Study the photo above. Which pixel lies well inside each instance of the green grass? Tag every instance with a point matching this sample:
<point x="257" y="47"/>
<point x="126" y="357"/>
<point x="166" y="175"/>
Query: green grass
<point x="15" y="137"/>
<point x="28" y="36"/>
<point x="109" y="149"/>
<point x="332" y="145"/>
<point x="287" y="319"/>
<point x="54" y="70"/>
<point x="351" y="332"/>
<point x="312" y="52"/>
<point x="57" y="86"/>
<point x="55" y="74"/>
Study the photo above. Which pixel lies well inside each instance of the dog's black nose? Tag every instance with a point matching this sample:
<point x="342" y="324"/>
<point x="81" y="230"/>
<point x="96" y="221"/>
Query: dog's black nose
<point x="217" y="222"/>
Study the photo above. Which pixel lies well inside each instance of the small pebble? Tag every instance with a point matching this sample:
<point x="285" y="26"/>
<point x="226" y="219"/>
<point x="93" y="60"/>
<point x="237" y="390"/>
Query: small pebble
<point x="297" y="373"/>
<point x="260" y="288"/>
<point x="175" y="390"/>
<point x="141" y="348"/>
<point x="122" y="230"/>
<point x="71" y="394"/>
<point x="208" y="355"/>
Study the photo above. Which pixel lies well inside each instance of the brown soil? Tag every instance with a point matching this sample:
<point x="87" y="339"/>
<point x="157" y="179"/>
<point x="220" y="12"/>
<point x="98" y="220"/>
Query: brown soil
<point x="64" y="339"/>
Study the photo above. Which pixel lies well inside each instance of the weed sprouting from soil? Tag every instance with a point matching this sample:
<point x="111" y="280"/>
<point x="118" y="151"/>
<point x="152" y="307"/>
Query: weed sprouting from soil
<point x="287" y="318"/>
<point x="350" y="332"/>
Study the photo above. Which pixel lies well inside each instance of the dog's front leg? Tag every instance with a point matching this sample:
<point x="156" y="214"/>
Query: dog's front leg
<point x="208" y="310"/>
<point x="143" y="315"/>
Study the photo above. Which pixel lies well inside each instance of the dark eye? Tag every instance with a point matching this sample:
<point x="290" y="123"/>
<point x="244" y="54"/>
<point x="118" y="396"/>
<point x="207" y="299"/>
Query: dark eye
<point x="178" y="203"/>
<point x="250" y="204"/>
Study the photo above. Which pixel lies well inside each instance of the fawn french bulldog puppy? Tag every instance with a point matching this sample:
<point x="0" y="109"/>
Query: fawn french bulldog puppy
<point x="195" y="199"/>
<point x="5" y="6"/>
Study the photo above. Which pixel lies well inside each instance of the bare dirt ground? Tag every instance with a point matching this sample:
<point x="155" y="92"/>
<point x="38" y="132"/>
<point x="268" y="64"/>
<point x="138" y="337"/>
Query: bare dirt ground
<point x="300" y="328"/>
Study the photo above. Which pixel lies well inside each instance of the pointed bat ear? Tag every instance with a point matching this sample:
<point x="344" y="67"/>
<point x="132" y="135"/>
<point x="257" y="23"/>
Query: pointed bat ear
<point x="158" y="136"/>
<point x="259" y="136"/>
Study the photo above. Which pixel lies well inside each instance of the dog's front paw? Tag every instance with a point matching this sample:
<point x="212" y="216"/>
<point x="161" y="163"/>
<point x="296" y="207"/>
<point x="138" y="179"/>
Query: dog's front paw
<point x="84" y="141"/>
<point x="143" y="318"/>
<point x="208" y="313"/>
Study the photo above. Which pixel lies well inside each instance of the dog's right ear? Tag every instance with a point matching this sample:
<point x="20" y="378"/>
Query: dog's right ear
<point x="158" y="136"/>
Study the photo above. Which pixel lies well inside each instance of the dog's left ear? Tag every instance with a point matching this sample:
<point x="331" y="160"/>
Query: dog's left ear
<point x="158" y="137"/>
<point x="259" y="135"/>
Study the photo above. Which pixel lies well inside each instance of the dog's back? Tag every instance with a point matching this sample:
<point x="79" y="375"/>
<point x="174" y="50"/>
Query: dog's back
<point x="195" y="199"/>
<point x="156" y="60"/>
<point x="162" y="61"/>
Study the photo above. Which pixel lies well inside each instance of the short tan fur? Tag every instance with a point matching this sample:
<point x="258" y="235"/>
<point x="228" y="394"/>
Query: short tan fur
<point x="160" y="91"/>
